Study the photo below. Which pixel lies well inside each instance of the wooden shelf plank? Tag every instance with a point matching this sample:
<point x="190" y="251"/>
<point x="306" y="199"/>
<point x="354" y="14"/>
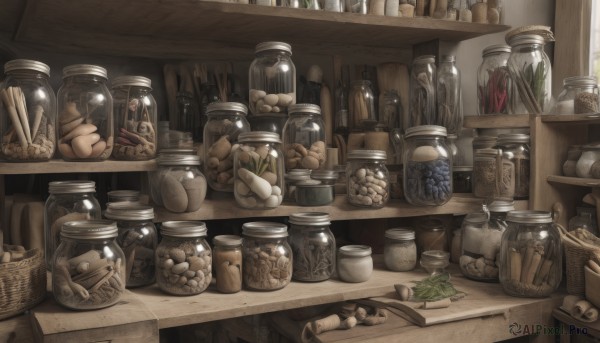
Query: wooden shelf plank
<point x="60" y="166"/>
<point x="574" y="181"/>
<point x="496" y="121"/>
<point x="593" y="118"/>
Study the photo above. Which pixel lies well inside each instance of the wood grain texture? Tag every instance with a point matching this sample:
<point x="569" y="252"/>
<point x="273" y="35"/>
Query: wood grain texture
<point x="575" y="181"/>
<point x="16" y="329"/>
<point x="60" y="166"/>
<point x="496" y="122"/>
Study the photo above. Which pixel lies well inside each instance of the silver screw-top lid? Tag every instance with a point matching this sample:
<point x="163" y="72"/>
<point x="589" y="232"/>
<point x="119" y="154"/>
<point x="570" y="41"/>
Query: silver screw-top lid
<point x="401" y="234"/>
<point x="367" y="155"/>
<point x="128" y="211"/>
<point x="448" y="58"/>
<point x="324" y="174"/>
<point x="424" y="59"/>
<point x="273" y="46"/>
<point x="26" y="64"/>
<point x="426" y="130"/>
<point x="183" y="229"/>
<point x="526" y="39"/>
<point x="304" y="108"/>
<point x="226" y="106"/>
<point x="177" y="160"/>
<point x="177" y="151"/>
<point x="581" y="81"/>
<point x="71" y="187"/>
<point x="501" y="206"/>
<point x="264" y="230"/>
<point x="513" y="138"/>
<point x="462" y="168"/>
<point x="496" y="48"/>
<point x="298" y="174"/>
<point x="476" y="218"/>
<point x="123" y="195"/>
<point x="84" y="69"/>
<point x="355" y="250"/>
<point x="310" y="218"/>
<point x="529" y="217"/>
<point x="227" y="241"/>
<point x="89" y="229"/>
<point x="131" y="80"/>
<point x="259" y="136"/>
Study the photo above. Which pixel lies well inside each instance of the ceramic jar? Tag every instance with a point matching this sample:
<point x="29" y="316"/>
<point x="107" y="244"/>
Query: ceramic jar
<point x="354" y="263"/>
<point x="569" y="167"/>
<point x="590" y="154"/>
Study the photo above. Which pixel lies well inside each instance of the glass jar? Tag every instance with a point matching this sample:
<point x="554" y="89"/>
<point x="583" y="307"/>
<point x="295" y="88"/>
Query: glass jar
<point x="187" y="111"/>
<point x="584" y="220"/>
<point x="390" y="110"/>
<point x="449" y="97"/>
<point x="183" y="258"/>
<point x="431" y="234"/>
<point x="85" y="114"/>
<point x="494" y="85"/>
<point x="427" y="166"/>
<point x="28" y="112"/>
<point x="422" y="91"/>
<point x="462" y="179"/>
<point x="227" y="259"/>
<point x="516" y="148"/>
<point x="226" y="120"/>
<point x="327" y="177"/>
<point x="258" y="170"/>
<point x="361" y="105"/>
<point x="590" y="153"/>
<point x="291" y="180"/>
<point x="313" y="246"/>
<point x="435" y="261"/>
<point x="268" y="262"/>
<point x="178" y="184"/>
<point x="530" y="68"/>
<point x="400" y="250"/>
<point x="304" y="138"/>
<point x="579" y="95"/>
<point x="357" y="6"/>
<point x="272" y="78"/>
<point x="138" y="239"/>
<point x="569" y="166"/>
<point x="354" y="263"/>
<point x="367" y="178"/>
<point x="123" y="195"/>
<point x="484" y="142"/>
<point x="493" y="175"/>
<point x="135" y="119"/>
<point x="68" y="201"/>
<point x="480" y="245"/>
<point x="530" y="255"/>
<point x="314" y="193"/>
<point x="89" y="266"/>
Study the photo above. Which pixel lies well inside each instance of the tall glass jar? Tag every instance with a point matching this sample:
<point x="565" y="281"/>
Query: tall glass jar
<point x="138" y="239"/>
<point x="304" y="137"/>
<point x="579" y="95"/>
<point x="68" y="201"/>
<point x="427" y="166"/>
<point x="183" y="258"/>
<point x="480" y="245"/>
<point x="226" y="120"/>
<point x="354" y="263"/>
<point x="313" y="246"/>
<point x="227" y="259"/>
<point x="187" y="111"/>
<point x="135" y="119"/>
<point x="272" y="78"/>
<point x="361" y="105"/>
<point x="516" y="148"/>
<point x="493" y="175"/>
<point x="390" y="110"/>
<point x="28" y="112"/>
<point x="530" y="68"/>
<point x="423" y="81"/>
<point x="368" y="179"/>
<point x="400" y="250"/>
<point x="494" y="85"/>
<point x="449" y="96"/>
<point x="267" y="256"/>
<point x="178" y="184"/>
<point x="258" y="170"/>
<point x="89" y="266"/>
<point x="530" y="255"/>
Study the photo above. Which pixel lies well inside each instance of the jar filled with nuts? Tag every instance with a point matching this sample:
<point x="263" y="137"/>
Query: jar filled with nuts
<point x="367" y="178"/>
<point x="267" y="256"/>
<point x="183" y="258"/>
<point x="272" y="78"/>
<point x="226" y="120"/>
<point x="227" y="259"/>
<point x="258" y="170"/>
<point x="304" y="137"/>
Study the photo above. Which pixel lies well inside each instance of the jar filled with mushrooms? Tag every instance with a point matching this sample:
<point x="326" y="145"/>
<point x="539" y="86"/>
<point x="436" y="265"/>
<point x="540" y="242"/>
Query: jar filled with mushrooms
<point x="304" y="138"/>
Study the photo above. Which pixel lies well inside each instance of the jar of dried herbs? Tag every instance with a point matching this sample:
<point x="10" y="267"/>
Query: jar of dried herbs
<point x="494" y="85"/>
<point x="361" y="106"/>
<point x="516" y="148"/>
<point x="579" y="95"/>
<point x="493" y="175"/>
<point x="304" y="137"/>
<point x="227" y="260"/>
<point x="449" y="97"/>
<point x="423" y="91"/>
<point x="313" y="246"/>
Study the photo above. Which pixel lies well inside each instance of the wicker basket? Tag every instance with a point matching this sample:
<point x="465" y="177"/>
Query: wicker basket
<point x="579" y="246"/>
<point x="22" y="284"/>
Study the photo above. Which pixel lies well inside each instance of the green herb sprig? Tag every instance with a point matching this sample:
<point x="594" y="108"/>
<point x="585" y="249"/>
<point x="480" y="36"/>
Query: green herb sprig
<point x="433" y="288"/>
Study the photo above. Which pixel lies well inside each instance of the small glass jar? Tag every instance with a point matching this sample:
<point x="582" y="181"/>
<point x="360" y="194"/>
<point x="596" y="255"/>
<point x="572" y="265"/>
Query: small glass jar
<point x="313" y="246"/>
<point x="361" y="106"/>
<point x="580" y="90"/>
<point x="354" y="263"/>
<point x="530" y="255"/>
<point x="258" y="170"/>
<point x="462" y="179"/>
<point x="68" y="201"/>
<point x="493" y="175"/>
<point x="135" y="119"/>
<point x="123" y="195"/>
<point x="431" y="234"/>
<point x="494" y="85"/>
<point x="227" y="260"/>
<point x="422" y="91"/>
<point x="85" y="114"/>
<point x="183" y="258"/>
<point x="267" y="256"/>
<point x="590" y="154"/>
<point x="400" y="250"/>
<point x="28" y="112"/>
<point x="449" y="96"/>
<point x="272" y="78"/>
<point x="427" y="166"/>
<point x="304" y="138"/>
<point x="435" y="261"/>
<point x="584" y="220"/>
<point x="516" y="148"/>
<point x="314" y="193"/>
<point x="367" y="178"/>
<point x="89" y="266"/>
<point x="291" y="179"/>
<point x="226" y="120"/>
<point x="138" y="239"/>
<point x="480" y="245"/>
<point x="530" y="68"/>
<point x="569" y="167"/>
<point x="178" y="184"/>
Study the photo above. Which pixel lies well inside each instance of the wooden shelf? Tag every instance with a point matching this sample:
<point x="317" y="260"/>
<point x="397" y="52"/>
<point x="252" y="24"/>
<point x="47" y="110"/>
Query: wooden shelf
<point x="593" y="118"/>
<point x="574" y="181"/>
<point x="508" y="121"/>
<point x="60" y="166"/>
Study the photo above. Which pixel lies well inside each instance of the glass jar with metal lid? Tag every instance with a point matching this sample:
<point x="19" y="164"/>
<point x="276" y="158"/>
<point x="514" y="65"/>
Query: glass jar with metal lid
<point x="427" y="166"/>
<point x="579" y="95"/>
<point x="304" y="137"/>
<point x="493" y="175"/>
<point x="68" y="201"/>
<point x="435" y="261"/>
<point x="138" y="239"/>
<point x="183" y="258"/>
<point x="227" y="259"/>
<point x="516" y="148"/>
<point x="123" y="195"/>
<point x="484" y="142"/>
<point x="361" y="105"/>
<point x="135" y="118"/>
<point x="422" y="91"/>
<point x="400" y="249"/>
<point x="530" y="255"/>
<point x="178" y="184"/>
<point x="267" y="256"/>
<point x="480" y="246"/>
<point x="449" y="96"/>
<point x="258" y="170"/>
<point x="28" y="112"/>
<point x="85" y="114"/>
<point x="226" y="120"/>
<point x="313" y="246"/>
<point x="89" y="266"/>
<point x="431" y="234"/>
<point x="494" y="85"/>
<point x="328" y="177"/>
<point x="354" y="263"/>
<point x="367" y="178"/>
<point x="272" y="78"/>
